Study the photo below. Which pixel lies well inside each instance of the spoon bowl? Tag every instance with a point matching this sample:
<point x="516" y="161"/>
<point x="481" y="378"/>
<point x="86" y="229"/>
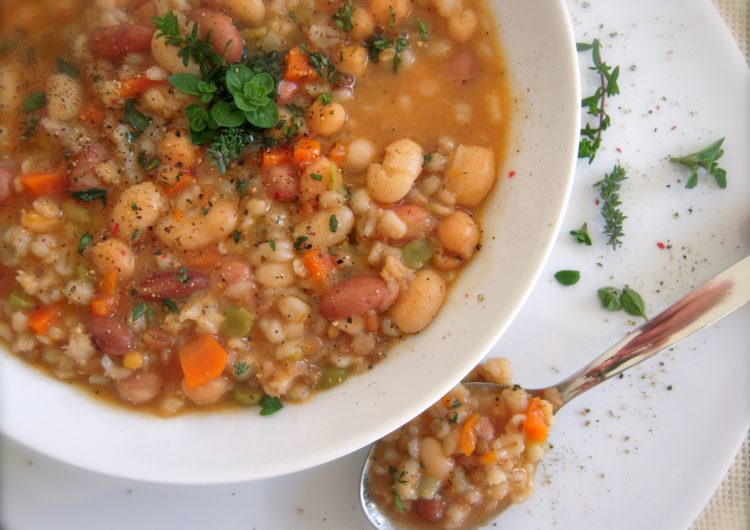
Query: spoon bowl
<point x="716" y="298"/>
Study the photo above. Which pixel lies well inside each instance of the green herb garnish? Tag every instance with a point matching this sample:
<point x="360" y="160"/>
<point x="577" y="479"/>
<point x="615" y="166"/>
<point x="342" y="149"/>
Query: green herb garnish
<point x="609" y="298"/>
<point x="609" y="193"/>
<point x="236" y="236"/>
<point x="241" y="368"/>
<point x="326" y="98"/>
<point x="34" y="101"/>
<point x="85" y="241"/>
<point x="269" y="405"/>
<point x="582" y="235"/>
<point x="342" y="18"/>
<point x="170" y="305"/>
<point x="567" y="277"/>
<point x="333" y="223"/>
<point x="424" y="32"/>
<point x="64" y="67"/>
<point x="272" y="244"/>
<point x="316" y="176"/>
<point x="142" y="309"/>
<point x="136" y="119"/>
<point x="91" y="194"/>
<point x="632" y="303"/>
<point x="707" y="159"/>
<point x="300" y="242"/>
<point x="591" y="137"/>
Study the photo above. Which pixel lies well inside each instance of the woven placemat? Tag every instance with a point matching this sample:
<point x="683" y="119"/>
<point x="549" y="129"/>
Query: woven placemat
<point x="729" y="508"/>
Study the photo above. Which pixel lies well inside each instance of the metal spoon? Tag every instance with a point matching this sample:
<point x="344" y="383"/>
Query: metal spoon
<point x="714" y="299"/>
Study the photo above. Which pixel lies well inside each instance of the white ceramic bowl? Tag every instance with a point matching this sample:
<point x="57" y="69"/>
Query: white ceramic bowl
<point x="520" y="224"/>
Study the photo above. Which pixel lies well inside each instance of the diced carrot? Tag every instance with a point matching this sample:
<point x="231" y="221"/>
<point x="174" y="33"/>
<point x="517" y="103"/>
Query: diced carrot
<point x="42" y="319"/>
<point x="306" y="151"/>
<point x="202" y="359"/>
<point x="105" y="306"/>
<point x="132" y="87"/>
<point x="306" y="209"/>
<point x="108" y="284"/>
<point x="338" y="153"/>
<point x="488" y="458"/>
<point x="91" y="115"/>
<point x="535" y="426"/>
<point x="43" y="183"/>
<point x="275" y="156"/>
<point x="204" y="259"/>
<point x="321" y="267"/>
<point x="469" y="434"/>
<point x="298" y="67"/>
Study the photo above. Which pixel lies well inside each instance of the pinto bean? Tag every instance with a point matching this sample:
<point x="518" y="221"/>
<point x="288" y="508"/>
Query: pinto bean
<point x="419" y="222"/>
<point x="85" y="160"/>
<point x="225" y="37"/>
<point x="6" y="184"/>
<point x="432" y="510"/>
<point x="110" y="334"/>
<point x="463" y="67"/>
<point x="115" y="42"/>
<point x="282" y="183"/>
<point x="141" y="387"/>
<point x="172" y="284"/>
<point x="353" y="297"/>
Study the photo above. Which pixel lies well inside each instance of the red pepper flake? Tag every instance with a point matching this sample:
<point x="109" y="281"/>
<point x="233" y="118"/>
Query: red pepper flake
<point x="116" y="229"/>
<point x="674" y="127"/>
<point x="511" y="174"/>
<point x="661" y="245"/>
<point x="618" y="149"/>
<point x="597" y="202"/>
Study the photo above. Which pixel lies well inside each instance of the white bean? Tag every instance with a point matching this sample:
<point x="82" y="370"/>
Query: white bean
<point x="436" y="464"/>
<point x="318" y="228"/>
<point x="251" y="12"/>
<point x="198" y="228"/>
<point x="459" y="233"/>
<point x="113" y="255"/>
<point x="207" y="393"/>
<point x="167" y="57"/>
<point x="326" y="120"/>
<point x="359" y="154"/>
<point x="138" y="208"/>
<point x="470" y="174"/>
<point x="416" y="307"/>
<point x="63" y="97"/>
<point x="401" y="166"/>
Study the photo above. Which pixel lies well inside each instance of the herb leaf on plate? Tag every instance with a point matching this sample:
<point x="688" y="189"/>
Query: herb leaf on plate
<point x="707" y="159"/>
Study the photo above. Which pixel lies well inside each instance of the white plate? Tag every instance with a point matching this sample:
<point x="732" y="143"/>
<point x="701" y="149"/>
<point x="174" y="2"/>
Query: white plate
<point x="520" y="223"/>
<point x="681" y="441"/>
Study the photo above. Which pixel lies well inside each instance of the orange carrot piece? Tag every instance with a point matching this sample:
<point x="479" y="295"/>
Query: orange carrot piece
<point x="42" y="183"/>
<point x="298" y="67"/>
<point x="42" y="319"/>
<point x="338" y="153"/>
<point x="535" y="426"/>
<point x="306" y="151"/>
<point x="91" y="115"/>
<point x="108" y="284"/>
<point x="202" y="359"/>
<point x="488" y="458"/>
<point x="321" y="267"/>
<point x="204" y="259"/>
<point x="134" y="86"/>
<point x="105" y="306"/>
<point x="469" y="434"/>
<point x="173" y="189"/>
<point x="275" y="156"/>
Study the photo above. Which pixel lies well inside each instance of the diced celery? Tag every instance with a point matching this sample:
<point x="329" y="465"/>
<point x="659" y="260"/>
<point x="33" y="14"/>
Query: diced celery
<point x="20" y="302"/>
<point x="428" y="487"/>
<point x="247" y="396"/>
<point x="331" y="377"/>
<point x="238" y="322"/>
<point x="84" y="273"/>
<point x="417" y="254"/>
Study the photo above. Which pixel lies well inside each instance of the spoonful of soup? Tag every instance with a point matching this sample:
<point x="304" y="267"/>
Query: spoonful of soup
<point x="475" y="452"/>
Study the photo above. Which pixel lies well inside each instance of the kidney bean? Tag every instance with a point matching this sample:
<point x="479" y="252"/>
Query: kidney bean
<point x="282" y="183"/>
<point x="431" y="510"/>
<point x="85" y="160"/>
<point x="419" y="222"/>
<point x="140" y="387"/>
<point x="225" y="37"/>
<point x="110" y="334"/>
<point x="353" y="297"/>
<point x="6" y="184"/>
<point x="233" y="270"/>
<point x="113" y="43"/>
<point x="287" y="90"/>
<point x="172" y="284"/>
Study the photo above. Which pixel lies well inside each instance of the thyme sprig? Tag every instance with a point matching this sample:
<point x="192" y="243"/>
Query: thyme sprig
<point x="707" y="159"/>
<point x="595" y="104"/>
<point x="609" y="193"/>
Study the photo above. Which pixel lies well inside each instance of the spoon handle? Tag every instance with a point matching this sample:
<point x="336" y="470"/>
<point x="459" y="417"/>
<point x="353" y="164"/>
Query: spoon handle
<point x="717" y="297"/>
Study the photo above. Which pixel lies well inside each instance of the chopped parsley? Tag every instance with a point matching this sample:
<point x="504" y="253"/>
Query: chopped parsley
<point x="183" y="275"/>
<point x="85" y="241"/>
<point x="272" y="244"/>
<point x="170" y="305"/>
<point x="269" y="405"/>
<point x="140" y="310"/>
<point x="91" y="194"/>
<point x="424" y="32"/>
<point x="64" y="67"/>
<point x="34" y="101"/>
<point x="241" y="368"/>
<point x="333" y="223"/>
<point x="236" y="236"/>
<point x="300" y="242"/>
<point x="326" y="98"/>
<point x="136" y="119"/>
<point x="316" y="176"/>
<point x="342" y="18"/>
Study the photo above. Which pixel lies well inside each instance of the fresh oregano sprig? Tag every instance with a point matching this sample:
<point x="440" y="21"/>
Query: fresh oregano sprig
<point x="707" y="159"/>
<point x="609" y="194"/>
<point x="595" y="104"/>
